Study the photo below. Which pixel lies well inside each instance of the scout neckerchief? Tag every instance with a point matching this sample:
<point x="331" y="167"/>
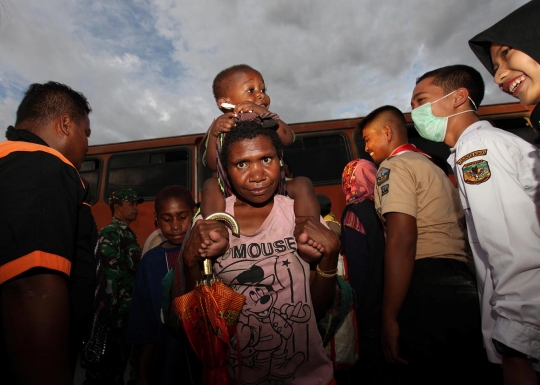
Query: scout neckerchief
<point x="406" y="148"/>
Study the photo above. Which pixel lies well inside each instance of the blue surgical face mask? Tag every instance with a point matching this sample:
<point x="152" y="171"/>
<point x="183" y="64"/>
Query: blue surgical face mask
<point x="429" y="126"/>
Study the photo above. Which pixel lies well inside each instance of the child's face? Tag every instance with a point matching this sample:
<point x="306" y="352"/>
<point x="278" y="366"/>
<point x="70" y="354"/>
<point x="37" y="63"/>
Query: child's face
<point x="174" y="218"/>
<point x="254" y="170"/>
<point x="246" y="86"/>
<point x="516" y="73"/>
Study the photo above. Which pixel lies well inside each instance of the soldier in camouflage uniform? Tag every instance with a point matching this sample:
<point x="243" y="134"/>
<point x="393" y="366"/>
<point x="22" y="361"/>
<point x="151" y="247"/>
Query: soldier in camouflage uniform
<point x="120" y="253"/>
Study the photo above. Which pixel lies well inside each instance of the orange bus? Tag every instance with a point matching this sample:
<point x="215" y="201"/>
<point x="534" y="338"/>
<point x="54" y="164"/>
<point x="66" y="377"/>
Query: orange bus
<point x="321" y="151"/>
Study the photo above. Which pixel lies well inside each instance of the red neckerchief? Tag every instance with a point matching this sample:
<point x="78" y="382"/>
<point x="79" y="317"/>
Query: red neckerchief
<point x="407" y="147"/>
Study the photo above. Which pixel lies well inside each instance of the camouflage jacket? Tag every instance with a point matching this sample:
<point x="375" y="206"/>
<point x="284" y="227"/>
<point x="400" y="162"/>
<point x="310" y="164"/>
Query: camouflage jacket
<point x="121" y="254"/>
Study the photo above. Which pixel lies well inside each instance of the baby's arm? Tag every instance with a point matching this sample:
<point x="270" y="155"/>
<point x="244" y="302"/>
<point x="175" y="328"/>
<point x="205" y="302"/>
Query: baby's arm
<point x="305" y="205"/>
<point x="286" y="135"/>
<point x="224" y="123"/>
<point x="305" y="201"/>
<point x="212" y="198"/>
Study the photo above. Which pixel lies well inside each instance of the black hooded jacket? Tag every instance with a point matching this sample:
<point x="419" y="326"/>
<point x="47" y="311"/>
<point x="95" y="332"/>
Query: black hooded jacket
<point x="520" y="30"/>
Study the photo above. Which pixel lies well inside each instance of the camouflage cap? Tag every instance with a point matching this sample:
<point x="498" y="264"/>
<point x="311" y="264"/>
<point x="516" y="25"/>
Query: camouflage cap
<point x="125" y="195"/>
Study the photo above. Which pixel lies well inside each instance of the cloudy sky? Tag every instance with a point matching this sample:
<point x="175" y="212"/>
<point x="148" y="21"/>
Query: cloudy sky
<point x="147" y="66"/>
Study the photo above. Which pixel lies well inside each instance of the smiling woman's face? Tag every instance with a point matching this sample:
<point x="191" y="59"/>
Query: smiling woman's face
<point x="516" y="73"/>
<point x="254" y="169"/>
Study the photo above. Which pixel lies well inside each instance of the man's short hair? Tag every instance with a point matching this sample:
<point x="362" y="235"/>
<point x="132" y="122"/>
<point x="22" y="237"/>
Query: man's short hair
<point x="174" y="191"/>
<point x="450" y="78"/>
<point x="222" y="81"/>
<point x="373" y="115"/>
<point x="44" y="102"/>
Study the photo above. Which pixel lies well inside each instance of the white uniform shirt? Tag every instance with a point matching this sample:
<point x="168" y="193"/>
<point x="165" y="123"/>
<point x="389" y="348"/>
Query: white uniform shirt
<point x="498" y="176"/>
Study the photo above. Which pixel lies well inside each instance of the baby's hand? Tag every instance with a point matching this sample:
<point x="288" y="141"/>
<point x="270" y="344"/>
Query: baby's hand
<point x="223" y="123"/>
<point x="214" y="246"/>
<point x="250" y="106"/>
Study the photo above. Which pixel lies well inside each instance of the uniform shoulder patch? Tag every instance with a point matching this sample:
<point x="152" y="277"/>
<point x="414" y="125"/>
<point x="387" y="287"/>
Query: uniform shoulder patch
<point x="383" y="175"/>
<point x="471" y="155"/>
<point x="476" y="172"/>
<point x="384" y="189"/>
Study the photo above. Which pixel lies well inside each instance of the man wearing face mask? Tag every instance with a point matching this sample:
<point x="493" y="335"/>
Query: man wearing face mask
<point x="430" y="329"/>
<point x="498" y="175"/>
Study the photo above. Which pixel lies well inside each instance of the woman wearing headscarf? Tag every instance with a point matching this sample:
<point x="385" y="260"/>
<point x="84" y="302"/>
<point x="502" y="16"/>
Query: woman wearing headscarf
<point x="362" y="241"/>
<point x="510" y="51"/>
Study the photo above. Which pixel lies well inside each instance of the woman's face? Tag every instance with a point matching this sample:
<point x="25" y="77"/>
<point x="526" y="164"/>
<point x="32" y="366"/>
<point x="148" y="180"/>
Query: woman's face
<point x="516" y="73"/>
<point x="254" y="170"/>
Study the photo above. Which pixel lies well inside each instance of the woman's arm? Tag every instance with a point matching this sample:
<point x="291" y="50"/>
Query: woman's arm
<point x="323" y="281"/>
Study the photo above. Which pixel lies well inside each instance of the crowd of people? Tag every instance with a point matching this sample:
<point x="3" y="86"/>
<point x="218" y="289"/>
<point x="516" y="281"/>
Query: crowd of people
<point x="444" y="279"/>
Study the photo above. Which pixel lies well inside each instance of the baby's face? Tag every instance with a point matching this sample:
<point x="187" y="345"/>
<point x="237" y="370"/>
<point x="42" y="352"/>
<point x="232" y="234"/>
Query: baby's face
<point x="516" y="73"/>
<point x="247" y="86"/>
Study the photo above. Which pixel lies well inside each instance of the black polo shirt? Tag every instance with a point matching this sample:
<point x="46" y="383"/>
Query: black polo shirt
<point x="41" y="198"/>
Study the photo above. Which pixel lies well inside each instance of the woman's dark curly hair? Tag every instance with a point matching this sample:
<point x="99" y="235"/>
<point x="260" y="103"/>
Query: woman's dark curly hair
<point x="248" y="130"/>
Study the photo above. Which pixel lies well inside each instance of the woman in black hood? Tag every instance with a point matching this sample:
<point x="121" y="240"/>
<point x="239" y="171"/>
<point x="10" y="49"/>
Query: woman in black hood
<point x="510" y="50"/>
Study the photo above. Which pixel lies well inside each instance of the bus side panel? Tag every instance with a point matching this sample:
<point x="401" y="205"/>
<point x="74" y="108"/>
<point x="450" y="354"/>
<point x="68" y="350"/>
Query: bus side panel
<point x="146" y="169"/>
<point x="321" y="151"/>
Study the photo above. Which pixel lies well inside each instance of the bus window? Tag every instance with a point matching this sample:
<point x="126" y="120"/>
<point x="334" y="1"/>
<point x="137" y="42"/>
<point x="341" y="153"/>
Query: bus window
<point x="91" y="172"/>
<point x="147" y="172"/>
<point x="204" y="172"/>
<point x="321" y="158"/>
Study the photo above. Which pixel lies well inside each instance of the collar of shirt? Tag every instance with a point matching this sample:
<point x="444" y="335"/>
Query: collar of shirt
<point x="120" y="223"/>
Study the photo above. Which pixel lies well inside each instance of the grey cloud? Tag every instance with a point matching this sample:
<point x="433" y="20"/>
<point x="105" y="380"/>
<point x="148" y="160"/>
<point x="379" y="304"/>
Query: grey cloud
<point x="147" y="65"/>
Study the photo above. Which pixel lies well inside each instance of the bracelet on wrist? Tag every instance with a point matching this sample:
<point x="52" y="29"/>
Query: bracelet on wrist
<point x="326" y="274"/>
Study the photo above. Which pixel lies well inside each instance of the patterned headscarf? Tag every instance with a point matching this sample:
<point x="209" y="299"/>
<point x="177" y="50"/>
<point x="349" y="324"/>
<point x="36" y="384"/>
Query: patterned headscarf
<point x="358" y="180"/>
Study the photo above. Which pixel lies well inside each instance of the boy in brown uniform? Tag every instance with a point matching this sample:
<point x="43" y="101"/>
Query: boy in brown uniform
<point x="430" y="309"/>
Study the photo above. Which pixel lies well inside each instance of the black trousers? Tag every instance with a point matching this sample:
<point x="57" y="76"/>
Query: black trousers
<point x="440" y="328"/>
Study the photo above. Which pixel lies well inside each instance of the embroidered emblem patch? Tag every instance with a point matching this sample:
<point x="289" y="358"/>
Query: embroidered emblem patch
<point x="384" y="189"/>
<point x="471" y="155"/>
<point x="383" y="175"/>
<point x="476" y="172"/>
